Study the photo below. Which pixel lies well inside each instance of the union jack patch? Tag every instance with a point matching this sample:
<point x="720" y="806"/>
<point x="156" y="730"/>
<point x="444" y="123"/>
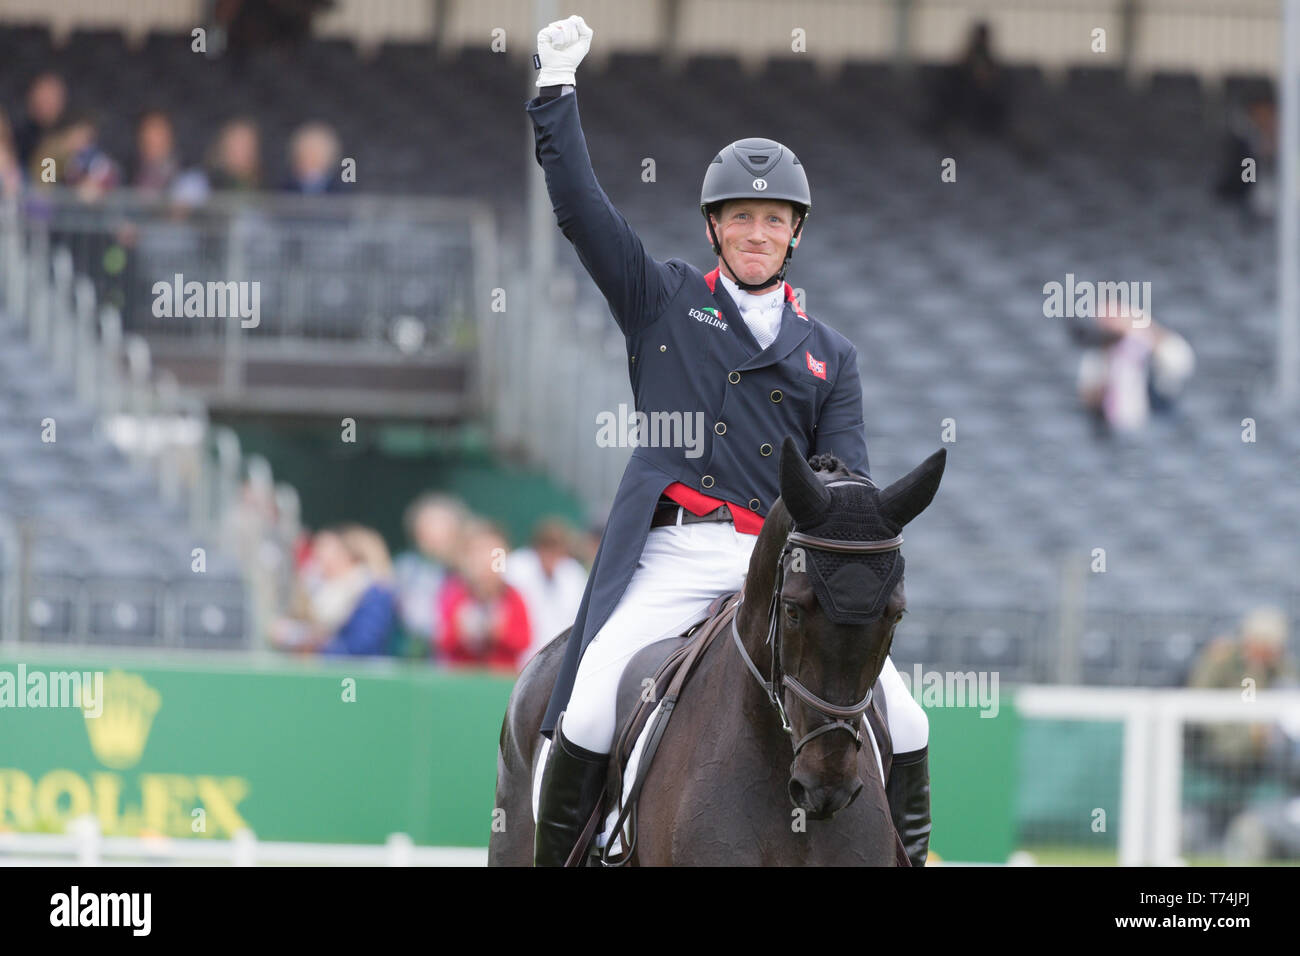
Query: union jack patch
<point x="814" y="366"/>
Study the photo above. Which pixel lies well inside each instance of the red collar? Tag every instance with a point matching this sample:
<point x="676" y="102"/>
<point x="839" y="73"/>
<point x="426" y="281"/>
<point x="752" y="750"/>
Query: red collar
<point x="711" y="279"/>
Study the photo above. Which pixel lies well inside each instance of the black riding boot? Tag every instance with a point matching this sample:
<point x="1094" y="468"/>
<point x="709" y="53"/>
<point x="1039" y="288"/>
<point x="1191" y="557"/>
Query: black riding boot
<point x="908" y="791"/>
<point x="572" y="783"/>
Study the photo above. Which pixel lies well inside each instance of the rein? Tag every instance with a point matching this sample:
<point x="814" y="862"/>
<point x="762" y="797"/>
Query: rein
<point x="840" y="717"/>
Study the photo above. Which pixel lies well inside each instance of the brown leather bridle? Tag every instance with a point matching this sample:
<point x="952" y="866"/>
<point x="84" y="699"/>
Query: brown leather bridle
<point x="839" y="717"/>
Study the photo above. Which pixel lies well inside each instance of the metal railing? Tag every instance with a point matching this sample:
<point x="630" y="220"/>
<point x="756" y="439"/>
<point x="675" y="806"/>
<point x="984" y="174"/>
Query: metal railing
<point x="553" y="368"/>
<point x="356" y="304"/>
<point x="376" y="270"/>
<point x="1067" y="644"/>
<point x="173" y="452"/>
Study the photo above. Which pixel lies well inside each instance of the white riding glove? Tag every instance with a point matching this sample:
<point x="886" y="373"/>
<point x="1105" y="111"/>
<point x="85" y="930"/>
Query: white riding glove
<point x="560" y="48"/>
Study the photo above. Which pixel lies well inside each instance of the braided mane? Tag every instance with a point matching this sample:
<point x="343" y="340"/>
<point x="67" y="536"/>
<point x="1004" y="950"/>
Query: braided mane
<point x="830" y="464"/>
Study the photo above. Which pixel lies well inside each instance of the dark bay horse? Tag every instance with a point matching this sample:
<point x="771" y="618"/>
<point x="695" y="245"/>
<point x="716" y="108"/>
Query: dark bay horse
<point x="722" y="789"/>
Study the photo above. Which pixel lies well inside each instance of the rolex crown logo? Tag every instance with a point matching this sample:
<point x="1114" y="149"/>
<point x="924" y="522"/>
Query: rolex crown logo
<point x="119" y="734"/>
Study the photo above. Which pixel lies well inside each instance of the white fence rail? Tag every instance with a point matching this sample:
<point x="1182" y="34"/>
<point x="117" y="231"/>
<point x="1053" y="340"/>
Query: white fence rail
<point x="84" y="845"/>
<point x="1154" y="723"/>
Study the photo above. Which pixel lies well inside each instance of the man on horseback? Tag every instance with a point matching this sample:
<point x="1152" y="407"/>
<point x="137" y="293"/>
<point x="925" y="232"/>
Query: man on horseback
<point x="736" y="347"/>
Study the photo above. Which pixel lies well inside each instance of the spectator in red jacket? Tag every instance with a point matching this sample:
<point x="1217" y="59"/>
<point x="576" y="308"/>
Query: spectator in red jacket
<point x="483" y="620"/>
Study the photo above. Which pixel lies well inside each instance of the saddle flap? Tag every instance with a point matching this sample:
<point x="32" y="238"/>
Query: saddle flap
<point x="648" y="665"/>
<point x="666" y="664"/>
<point x="633" y="689"/>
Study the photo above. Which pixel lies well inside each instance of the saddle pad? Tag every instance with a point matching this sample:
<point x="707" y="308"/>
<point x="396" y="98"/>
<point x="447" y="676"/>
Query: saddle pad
<point x="603" y="838"/>
<point x="643" y="664"/>
<point x="539" y="764"/>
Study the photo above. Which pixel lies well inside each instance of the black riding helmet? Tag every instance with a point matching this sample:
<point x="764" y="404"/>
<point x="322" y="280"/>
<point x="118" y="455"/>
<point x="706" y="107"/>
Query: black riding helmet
<point x="756" y="169"/>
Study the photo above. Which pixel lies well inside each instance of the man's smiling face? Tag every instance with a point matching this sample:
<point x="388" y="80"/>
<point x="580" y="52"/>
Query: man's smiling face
<point x="754" y="234"/>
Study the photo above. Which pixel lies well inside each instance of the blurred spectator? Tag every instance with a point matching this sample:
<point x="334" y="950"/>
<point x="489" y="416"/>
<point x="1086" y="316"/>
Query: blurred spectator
<point x="235" y="160"/>
<point x="550" y="581"/>
<point x="11" y="171"/>
<point x="973" y="91"/>
<point x="1257" y="651"/>
<point x="1127" y="371"/>
<point x="433" y="525"/>
<point x="1252" y="134"/>
<point x="47" y="98"/>
<point x="158" y="171"/>
<point x="156" y="165"/>
<point x="1243" y="754"/>
<point x="79" y="161"/>
<point x="587" y="543"/>
<point x="314" y="154"/>
<point x="250" y="24"/>
<point x="350" y="608"/>
<point x="251" y="528"/>
<point x="483" y="619"/>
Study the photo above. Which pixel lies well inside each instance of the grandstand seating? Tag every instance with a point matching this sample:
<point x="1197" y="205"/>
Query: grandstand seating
<point x="938" y="284"/>
<point x="108" y="561"/>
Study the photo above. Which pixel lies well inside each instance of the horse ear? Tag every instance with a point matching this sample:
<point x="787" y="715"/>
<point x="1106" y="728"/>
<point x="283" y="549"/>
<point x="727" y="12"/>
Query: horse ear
<point x="802" y="491"/>
<point x="910" y="495"/>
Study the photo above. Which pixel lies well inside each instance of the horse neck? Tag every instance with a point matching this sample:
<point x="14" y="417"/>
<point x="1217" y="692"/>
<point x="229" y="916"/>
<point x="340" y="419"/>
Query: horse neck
<point x="754" y="705"/>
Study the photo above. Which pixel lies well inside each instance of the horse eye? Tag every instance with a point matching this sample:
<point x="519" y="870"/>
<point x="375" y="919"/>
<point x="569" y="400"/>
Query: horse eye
<point x="791" y="612"/>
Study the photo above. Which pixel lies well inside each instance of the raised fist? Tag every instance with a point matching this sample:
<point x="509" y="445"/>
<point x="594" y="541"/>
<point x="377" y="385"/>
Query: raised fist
<point x="561" y="45"/>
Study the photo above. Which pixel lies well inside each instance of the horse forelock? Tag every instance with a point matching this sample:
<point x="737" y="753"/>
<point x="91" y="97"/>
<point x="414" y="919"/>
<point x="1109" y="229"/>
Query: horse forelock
<point x="854" y="511"/>
<point x="828" y="466"/>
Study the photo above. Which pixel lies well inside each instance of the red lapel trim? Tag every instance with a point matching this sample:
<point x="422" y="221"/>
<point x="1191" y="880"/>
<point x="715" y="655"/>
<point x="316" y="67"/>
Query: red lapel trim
<point x="712" y="280"/>
<point x="789" y="297"/>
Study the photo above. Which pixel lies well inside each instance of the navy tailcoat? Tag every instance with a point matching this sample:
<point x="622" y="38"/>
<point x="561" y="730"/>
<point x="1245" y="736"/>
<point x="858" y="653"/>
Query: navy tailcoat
<point x="689" y="352"/>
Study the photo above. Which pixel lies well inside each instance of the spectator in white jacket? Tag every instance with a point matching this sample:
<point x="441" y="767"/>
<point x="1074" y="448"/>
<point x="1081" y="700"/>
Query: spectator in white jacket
<point x="550" y="580"/>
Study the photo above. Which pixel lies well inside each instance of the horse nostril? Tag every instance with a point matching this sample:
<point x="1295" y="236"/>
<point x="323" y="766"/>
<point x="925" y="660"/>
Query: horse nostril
<point x="821" y="803"/>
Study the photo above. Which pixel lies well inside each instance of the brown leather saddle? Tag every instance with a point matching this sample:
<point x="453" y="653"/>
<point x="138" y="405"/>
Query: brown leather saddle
<point x="656" y="676"/>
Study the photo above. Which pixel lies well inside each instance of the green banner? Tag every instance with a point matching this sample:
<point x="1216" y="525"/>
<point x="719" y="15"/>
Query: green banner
<point x="974" y="770"/>
<point x="348" y="751"/>
<point x="303" y="751"/>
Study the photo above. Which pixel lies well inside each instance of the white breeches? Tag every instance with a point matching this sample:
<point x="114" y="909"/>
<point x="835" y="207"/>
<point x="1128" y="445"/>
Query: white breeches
<point x="682" y="570"/>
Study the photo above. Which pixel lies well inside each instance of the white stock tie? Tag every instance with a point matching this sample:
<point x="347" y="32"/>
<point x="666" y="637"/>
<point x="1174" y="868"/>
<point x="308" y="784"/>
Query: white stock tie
<point x="762" y="313"/>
